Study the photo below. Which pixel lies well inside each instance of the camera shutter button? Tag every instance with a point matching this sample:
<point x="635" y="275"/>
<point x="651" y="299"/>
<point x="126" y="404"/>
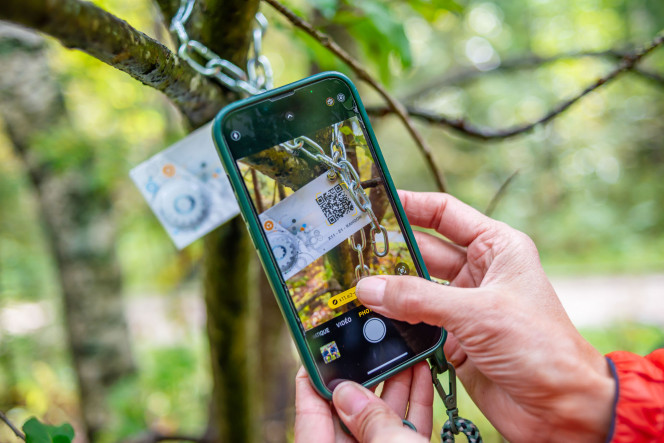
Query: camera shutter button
<point x="374" y="330"/>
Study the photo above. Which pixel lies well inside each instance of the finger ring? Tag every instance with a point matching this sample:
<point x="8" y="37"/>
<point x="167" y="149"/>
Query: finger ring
<point x="409" y="424"/>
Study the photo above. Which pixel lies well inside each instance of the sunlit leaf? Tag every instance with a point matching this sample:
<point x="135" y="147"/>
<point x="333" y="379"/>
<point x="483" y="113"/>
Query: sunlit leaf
<point x="38" y="432"/>
<point x="430" y="8"/>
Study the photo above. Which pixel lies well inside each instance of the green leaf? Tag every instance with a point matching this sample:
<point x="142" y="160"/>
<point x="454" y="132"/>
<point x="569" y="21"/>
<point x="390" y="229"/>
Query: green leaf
<point x="38" y="432"/>
<point x="328" y="8"/>
<point x="430" y="8"/>
<point x="385" y="27"/>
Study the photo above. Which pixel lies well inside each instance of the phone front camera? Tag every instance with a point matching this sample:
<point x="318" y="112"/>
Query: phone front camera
<point x="290" y="116"/>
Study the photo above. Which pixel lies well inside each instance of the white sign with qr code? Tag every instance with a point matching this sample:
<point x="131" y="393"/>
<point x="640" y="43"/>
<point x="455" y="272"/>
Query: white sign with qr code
<point x="310" y="222"/>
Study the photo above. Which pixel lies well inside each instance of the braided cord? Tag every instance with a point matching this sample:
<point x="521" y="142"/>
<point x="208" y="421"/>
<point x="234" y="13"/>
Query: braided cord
<point x="466" y="427"/>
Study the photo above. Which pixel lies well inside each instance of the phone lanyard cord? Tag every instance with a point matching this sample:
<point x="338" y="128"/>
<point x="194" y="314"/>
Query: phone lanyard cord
<point x="454" y="424"/>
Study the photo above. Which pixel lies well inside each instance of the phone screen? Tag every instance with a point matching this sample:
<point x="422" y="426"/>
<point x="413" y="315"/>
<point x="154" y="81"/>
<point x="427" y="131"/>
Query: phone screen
<point x="321" y="239"/>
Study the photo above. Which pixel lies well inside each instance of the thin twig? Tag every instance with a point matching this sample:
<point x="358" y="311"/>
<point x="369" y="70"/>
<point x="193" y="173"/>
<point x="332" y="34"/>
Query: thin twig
<point x="649" y="75"/>
<point x="527" y="61"/>
<point x="393" y="104"/>
<point x="155" y="437"/>
<point x="627" y="63"/>
<point x="14" y="429"/>
<point x="499" y="194"/>
<point x="371" y="183"/>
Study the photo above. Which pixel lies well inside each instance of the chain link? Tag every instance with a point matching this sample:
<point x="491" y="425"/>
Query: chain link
<point x="339" y="165"/>
<point x="361" y="270"/>
<point x="257" y="78"/>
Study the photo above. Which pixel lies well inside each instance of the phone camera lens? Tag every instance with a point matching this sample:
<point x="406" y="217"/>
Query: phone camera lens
<point x="235" y="135"/>
<point x="341" y="97"/>
<point x="290" y="116"/>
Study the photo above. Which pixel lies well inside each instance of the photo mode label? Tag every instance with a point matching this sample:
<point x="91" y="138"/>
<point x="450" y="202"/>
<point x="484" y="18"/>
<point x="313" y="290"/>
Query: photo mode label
<point x="343" y="298"/>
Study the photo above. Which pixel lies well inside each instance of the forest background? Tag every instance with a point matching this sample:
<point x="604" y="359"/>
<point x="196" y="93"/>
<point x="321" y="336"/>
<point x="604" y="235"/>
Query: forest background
<point x="103" y="321"/>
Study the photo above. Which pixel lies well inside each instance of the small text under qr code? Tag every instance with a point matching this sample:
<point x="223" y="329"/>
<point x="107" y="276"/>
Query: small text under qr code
<point x="334" y="204"/>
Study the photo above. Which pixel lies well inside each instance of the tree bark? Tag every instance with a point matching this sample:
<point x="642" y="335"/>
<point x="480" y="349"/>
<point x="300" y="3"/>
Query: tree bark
<point x="251" y="361"/>
<point x="78" y="24"/>
<point x="278" y="364"/>
<point x="81" y="25"/>
<point x="232" y="309"/>
<point x="76" y="215"/>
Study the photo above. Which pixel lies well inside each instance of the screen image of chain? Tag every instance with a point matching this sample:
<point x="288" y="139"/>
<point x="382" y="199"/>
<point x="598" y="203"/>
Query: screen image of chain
<point x="331" y="225"/>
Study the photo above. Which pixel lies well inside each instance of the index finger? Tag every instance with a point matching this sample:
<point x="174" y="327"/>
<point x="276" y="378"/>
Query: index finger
<point x="450" y="217"/>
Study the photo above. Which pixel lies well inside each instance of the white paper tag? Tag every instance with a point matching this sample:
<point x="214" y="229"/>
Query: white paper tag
<point x="187" y="188"/>
<point x="310" y="222"/>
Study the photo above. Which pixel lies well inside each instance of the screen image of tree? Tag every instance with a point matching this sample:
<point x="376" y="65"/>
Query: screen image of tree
<point x="319" y="237"/>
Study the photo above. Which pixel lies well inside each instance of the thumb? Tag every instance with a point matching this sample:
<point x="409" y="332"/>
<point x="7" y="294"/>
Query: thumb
<point x="367" y="417"/>
<point x="416" y="300"/>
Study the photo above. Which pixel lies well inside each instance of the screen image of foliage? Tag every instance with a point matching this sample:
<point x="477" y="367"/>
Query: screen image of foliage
<point x="313" y="286"/>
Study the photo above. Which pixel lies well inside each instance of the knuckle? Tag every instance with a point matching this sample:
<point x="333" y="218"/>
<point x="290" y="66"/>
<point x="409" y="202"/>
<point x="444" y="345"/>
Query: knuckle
<point x="525" y="242"/>
<point x="374" y="420"/>
<point x="405" y="297"/>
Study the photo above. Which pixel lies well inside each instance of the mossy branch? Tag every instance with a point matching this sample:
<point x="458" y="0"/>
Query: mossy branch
<point x="81" y="25"/>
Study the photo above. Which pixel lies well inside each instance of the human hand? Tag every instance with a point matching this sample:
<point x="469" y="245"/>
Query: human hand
<point x="514" y="348"/>
<point x="368" y="417"/>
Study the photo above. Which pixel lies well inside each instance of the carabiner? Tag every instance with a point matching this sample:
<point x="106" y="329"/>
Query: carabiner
<point x="449" y="400"/>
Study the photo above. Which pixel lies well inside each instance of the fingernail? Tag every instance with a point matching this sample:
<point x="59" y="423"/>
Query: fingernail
<point x="350" y="398"/>
<point x="371" y="290"/>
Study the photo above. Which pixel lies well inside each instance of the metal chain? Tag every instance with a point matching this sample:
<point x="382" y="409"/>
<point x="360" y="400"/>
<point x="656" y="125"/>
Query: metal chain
<point x="258" y="77"/>
<point x="361" y="270"/>
<point x="339" y="165"/>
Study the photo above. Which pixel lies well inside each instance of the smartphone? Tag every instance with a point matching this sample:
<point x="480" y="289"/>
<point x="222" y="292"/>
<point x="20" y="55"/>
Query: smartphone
<point x="322" y="211"/>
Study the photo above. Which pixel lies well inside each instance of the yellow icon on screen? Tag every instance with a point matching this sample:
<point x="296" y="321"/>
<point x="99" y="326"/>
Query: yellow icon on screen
<point x="343" y="298"/>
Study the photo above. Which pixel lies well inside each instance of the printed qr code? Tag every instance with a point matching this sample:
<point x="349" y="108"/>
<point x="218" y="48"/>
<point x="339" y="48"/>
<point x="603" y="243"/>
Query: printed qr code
<point x="334" y="204"/>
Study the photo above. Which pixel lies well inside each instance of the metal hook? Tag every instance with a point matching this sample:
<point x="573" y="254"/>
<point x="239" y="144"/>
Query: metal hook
<point x="385" y="242"/>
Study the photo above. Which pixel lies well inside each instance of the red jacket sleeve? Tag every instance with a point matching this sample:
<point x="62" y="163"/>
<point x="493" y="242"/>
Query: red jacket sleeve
<point x="639" y="411"/>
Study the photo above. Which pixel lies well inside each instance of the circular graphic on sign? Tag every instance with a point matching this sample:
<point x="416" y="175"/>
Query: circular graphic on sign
<point x="268" y="225"/>
<point x="168" y="170"/>
<point x="284" y="250"/>
<point x="182" y="203"/>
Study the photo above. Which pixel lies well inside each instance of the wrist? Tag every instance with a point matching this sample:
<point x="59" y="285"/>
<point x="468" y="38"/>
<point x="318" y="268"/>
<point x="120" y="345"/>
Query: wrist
<point x="585" y="411"/>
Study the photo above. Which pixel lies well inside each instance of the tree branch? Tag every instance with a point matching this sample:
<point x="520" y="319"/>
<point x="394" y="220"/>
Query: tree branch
<point x="393" y="104"/>
<point x="627" y="64"/>
<point x="14" y="429"/>
<point x="155" y="437"/>
<point x="528" y="61"/>
<point x="81" y="25"/>
<point x="499" y="194"/>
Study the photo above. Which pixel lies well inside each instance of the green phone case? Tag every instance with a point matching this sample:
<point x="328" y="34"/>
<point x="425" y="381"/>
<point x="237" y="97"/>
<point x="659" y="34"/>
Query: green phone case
<point x="271" y="269"/>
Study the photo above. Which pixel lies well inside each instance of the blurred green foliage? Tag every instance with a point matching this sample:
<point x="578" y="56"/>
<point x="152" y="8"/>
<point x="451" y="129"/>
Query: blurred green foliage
<point x="589" y="188"/>
<point x="38" y="432"/>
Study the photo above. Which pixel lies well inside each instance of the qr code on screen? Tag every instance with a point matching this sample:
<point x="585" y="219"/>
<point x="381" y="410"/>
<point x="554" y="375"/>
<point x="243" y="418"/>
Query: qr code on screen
<point x="334" y="204"/>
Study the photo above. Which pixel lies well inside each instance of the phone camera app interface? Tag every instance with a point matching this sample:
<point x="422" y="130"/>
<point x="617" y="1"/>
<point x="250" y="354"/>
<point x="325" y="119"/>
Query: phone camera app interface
<point x="325" y="213"/>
